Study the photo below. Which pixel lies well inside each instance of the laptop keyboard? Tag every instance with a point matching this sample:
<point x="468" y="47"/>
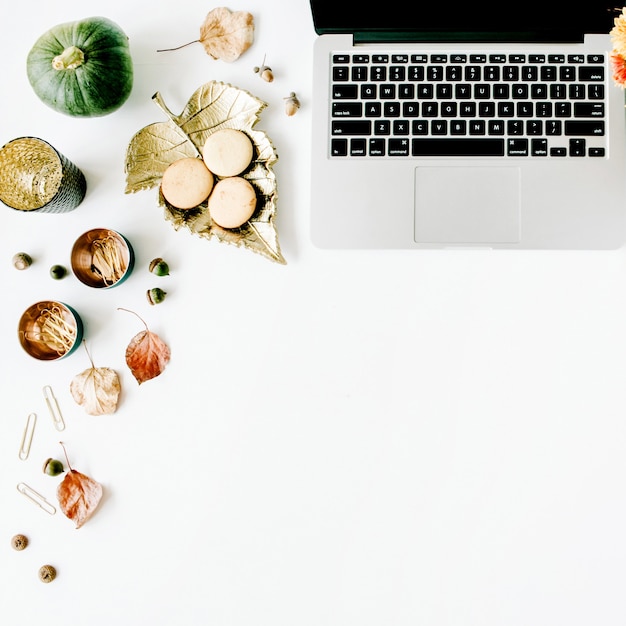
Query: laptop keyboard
<point x="468" y="105"/>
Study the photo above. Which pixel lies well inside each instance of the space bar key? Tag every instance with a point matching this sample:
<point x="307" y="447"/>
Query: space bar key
<point x="458" y="147"/>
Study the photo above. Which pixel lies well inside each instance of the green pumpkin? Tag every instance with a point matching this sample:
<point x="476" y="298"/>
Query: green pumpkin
<point x="83" y="68"/>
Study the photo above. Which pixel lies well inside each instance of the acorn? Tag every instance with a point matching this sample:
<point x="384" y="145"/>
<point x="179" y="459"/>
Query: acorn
<point x="47" y="573"/>
<point x="264" y="72"/>
<point x="52" y="467"/>
<point x="156" y="295"/>
<point x="159" y="267"/>
<point x="292" y="104"/>
<point x="22" y="261"/>
<point x="19" y="542"/>
<point x="57" y="272"/>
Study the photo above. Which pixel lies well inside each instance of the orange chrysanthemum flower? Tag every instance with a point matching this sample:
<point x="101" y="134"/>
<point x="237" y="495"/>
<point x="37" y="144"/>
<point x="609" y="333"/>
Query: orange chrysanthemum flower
<point x="618" y="65"/>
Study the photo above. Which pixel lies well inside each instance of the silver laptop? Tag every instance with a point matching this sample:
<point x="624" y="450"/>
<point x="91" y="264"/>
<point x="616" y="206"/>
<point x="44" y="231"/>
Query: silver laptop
<point x="466" y="125"/>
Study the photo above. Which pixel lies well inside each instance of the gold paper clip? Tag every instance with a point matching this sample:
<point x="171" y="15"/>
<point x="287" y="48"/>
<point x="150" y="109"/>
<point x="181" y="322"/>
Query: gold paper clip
<point x="53" y="405"/>
<point x="27" y="437"/>
<point x="35" y="497"/>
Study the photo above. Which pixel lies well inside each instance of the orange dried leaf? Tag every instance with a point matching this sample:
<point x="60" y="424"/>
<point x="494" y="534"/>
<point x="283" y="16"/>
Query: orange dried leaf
<point x="227" y="35"/>
<point x="79" y="496"/>
<point x="147" y="355"/>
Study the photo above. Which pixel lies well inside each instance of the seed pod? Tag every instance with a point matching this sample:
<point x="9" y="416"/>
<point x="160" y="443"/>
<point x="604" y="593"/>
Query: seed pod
<point x="156" y="295"/>
<point x="264" y="72"/>
<point x="47" y="573"/>
<point x="159" y="267"/>
<point x="21" y="261"/>
<point x="292" y="104"/>
<point x="19" y="542"/>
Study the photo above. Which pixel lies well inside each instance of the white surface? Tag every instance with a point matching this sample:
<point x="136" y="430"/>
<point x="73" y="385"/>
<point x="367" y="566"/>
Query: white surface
<point x="366" y="438"/>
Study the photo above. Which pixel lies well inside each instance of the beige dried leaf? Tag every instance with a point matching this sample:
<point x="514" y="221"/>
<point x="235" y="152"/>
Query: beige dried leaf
<point x="227" y="35"/>
<point x="224" y="34"/>
<point x="97" y="390"/>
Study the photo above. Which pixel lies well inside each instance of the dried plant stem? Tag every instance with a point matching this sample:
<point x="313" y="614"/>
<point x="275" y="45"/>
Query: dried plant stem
<point x="179" y="47"/>
<point x="66" y="457"/>
<point x="135" y="314"/>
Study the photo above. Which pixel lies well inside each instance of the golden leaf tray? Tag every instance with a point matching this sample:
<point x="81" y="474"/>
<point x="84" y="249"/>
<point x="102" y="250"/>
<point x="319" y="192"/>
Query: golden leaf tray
<point x="212" y="107"/>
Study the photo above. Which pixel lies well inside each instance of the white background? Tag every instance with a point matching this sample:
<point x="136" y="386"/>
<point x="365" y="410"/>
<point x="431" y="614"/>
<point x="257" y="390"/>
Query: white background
<point x="373" y="438"/>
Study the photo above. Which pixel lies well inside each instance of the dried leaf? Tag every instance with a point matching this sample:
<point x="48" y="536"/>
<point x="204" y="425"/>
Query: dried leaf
<point x="224" y="35"/>
<point x="79" y="496"/>
<point x="146" y="355"/>
<point x="212" y="107"/>
<point x="151" y="151"/>
<point x="97" y="389"/>
<point x="227" y="35"/>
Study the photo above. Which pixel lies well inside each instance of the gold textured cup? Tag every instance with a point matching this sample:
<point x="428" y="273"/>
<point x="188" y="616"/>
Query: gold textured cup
<point x="36" y="178"/>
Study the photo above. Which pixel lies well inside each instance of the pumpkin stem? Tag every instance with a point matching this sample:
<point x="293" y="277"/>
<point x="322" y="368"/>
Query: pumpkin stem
<point x="71" y="58"/>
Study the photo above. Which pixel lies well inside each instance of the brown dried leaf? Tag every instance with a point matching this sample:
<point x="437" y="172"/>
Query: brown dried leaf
<point x="79" y="496"/>
<point x="97" y="389"/>
<point x="147" y="355"/>
<point x="227" y="35"/>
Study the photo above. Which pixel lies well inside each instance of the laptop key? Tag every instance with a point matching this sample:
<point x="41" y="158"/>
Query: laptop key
<point x="347" y="109"/>
<point x="517" y="147"/>
<point x="591" y="73"/>
<point x="357" y="147"/>
<point x="339" y="147"/>
<point x="352" y="127"/>
<point x="539" y="147"/>
<point x="577" y="147"/>
<point x="584" y="128"/>
<point x="348" y="92"/>
<point x="399" y="147"/>
<point x="377" y="147"/>
<point x="589" y="109"/>
<point x="457" y="147"/>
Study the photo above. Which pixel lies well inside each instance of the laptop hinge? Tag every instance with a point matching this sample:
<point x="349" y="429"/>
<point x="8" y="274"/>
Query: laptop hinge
<point x="467" y="37"/>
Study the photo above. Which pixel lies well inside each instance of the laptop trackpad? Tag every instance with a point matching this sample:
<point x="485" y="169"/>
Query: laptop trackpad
<point x="467" y="204"/>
